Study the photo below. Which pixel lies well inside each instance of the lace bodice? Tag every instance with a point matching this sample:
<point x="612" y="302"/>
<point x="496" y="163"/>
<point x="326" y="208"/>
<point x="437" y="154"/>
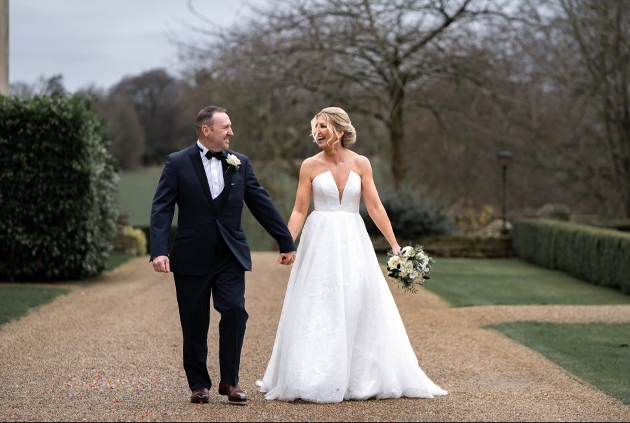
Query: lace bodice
<point x="326" y="194"/>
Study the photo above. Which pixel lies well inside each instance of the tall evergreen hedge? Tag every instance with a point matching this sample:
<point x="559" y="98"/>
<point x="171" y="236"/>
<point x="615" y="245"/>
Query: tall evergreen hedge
<point x="58" y="186"/>
<point x="597" y="255"/>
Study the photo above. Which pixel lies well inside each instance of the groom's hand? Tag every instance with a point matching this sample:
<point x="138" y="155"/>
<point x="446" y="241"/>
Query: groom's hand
<point x="161" y="264"/>
<point x="286" y="258"/>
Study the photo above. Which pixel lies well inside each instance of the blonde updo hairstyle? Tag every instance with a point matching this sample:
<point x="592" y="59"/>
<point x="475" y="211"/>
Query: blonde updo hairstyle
<point x="337" y="121"/>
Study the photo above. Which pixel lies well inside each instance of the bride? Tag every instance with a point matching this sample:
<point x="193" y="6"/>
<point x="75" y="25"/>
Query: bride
<point x="340" y="335"/>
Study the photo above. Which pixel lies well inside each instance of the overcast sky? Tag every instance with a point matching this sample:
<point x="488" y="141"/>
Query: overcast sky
<point x="101" y="41"/>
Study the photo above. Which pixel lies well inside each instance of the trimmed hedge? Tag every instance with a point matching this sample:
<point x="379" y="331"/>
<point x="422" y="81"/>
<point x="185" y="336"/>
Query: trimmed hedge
<point x="58" y="190"/>
<point x="597" y="255"/>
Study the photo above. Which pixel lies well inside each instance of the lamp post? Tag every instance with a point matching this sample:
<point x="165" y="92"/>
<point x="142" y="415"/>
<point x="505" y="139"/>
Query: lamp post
<point x="504" y="157"/>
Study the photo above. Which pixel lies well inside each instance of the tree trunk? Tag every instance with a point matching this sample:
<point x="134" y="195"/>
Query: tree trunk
<point x="397" y="133"/>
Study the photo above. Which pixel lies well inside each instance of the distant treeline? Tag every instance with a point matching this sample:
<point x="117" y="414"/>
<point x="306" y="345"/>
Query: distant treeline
<point x="435" y="90"/>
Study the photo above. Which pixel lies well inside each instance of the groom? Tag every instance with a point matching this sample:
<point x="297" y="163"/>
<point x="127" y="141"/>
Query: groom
<point x="209" y="254"/>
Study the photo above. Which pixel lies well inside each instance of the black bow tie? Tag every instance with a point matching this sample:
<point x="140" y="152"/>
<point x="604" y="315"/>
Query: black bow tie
<point x="219" y="155"/>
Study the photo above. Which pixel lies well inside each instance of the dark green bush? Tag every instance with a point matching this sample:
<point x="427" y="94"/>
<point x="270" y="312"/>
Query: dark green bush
<point x="58" y="186"/>
<point x="412" y="212"/>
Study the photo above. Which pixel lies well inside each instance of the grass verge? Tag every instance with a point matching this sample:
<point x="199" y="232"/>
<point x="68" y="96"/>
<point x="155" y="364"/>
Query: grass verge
<point x="476" y="282"/>
<point x="117" y="259"/>
<point x="135" y="194"/>
<point x="597" y="353"/>
<point x="17" y="300"/>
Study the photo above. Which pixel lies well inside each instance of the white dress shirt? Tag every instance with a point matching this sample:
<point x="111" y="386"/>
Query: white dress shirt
<point x="214" y="172"/>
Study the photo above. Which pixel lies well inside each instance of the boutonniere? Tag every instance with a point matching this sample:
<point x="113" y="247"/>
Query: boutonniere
<point x="233" y="161"/>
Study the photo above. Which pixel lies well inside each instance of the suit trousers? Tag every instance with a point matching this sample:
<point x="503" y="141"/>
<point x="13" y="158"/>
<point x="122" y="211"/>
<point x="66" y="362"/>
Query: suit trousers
<point x="225" y="284"/>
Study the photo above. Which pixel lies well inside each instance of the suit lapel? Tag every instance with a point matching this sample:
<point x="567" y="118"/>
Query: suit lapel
<point x="195" y="157"/>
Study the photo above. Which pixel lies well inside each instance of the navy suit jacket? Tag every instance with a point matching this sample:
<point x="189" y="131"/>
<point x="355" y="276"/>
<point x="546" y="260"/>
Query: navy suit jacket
<point x="201" y="219"/>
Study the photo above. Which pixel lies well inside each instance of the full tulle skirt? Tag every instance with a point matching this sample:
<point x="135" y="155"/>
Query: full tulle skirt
<point x="340" y="335"/>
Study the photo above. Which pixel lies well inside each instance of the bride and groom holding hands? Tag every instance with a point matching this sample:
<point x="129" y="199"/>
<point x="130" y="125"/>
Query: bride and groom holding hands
<point x="340" y="335"/>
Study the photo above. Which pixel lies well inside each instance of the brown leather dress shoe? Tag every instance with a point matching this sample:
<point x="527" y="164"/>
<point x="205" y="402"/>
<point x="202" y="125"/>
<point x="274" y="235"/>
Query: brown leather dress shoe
<point x="234" y="393"/>
<point x="200" y="395"/>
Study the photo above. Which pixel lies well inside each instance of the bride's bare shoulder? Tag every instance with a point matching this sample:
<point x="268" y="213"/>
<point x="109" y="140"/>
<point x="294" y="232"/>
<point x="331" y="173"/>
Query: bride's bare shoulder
<point x="361" y="160"/>
<point x="309" y="166"/>
<point x="362" y="164"/>
<point x="310" y="162"/>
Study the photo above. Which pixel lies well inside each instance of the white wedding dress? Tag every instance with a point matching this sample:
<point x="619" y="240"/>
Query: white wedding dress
<point x="340" y="335"/>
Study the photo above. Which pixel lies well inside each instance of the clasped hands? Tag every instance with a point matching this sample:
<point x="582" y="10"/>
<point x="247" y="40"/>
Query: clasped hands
<point x="286" y="258"/>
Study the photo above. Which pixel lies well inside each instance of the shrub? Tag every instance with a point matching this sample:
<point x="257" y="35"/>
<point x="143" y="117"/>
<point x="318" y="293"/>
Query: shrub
<point x="470" y="221"/>
<point x="140" y="239"/>
<point x="412" y="212"/>
<point x="58" y="188"/>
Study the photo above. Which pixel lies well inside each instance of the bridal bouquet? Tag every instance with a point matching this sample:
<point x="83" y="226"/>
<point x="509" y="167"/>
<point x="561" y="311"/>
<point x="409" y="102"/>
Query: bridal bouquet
<point x="410" y="267"/>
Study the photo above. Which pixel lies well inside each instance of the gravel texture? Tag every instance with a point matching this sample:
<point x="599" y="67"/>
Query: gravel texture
<point x="111" y="351"/>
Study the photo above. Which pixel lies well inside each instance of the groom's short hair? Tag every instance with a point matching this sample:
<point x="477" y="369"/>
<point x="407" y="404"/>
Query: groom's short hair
<point x="206" y="116"/>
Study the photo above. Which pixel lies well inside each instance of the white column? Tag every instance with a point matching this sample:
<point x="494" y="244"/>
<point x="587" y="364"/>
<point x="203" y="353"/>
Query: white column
<point x="4" y="47"/>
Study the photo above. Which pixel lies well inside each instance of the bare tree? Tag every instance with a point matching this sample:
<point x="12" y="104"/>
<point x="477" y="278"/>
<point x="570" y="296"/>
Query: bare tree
<point x="583" y="47"/>
<point x="124" y="129"/>
<point x="440" y="90"/>
<point x="52" y="86"/>
<point x="155" y="95"/>
<point x="270" y="117"/>
<point x="363" y="55"/>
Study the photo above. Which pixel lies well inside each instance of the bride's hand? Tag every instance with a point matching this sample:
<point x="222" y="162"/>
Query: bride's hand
<point x="396" y="250"/>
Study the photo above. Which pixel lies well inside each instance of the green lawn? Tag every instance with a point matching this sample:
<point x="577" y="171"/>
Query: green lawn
<point x="18" y="300"/>
<point x="116" y="259"/>
<point x="477" y="282"/>
<point x="597" y="353"/>
<point x="135" y="194"/>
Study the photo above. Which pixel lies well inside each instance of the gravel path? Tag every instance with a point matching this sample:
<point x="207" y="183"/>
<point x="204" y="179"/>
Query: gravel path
<point x="110" y="351"/>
